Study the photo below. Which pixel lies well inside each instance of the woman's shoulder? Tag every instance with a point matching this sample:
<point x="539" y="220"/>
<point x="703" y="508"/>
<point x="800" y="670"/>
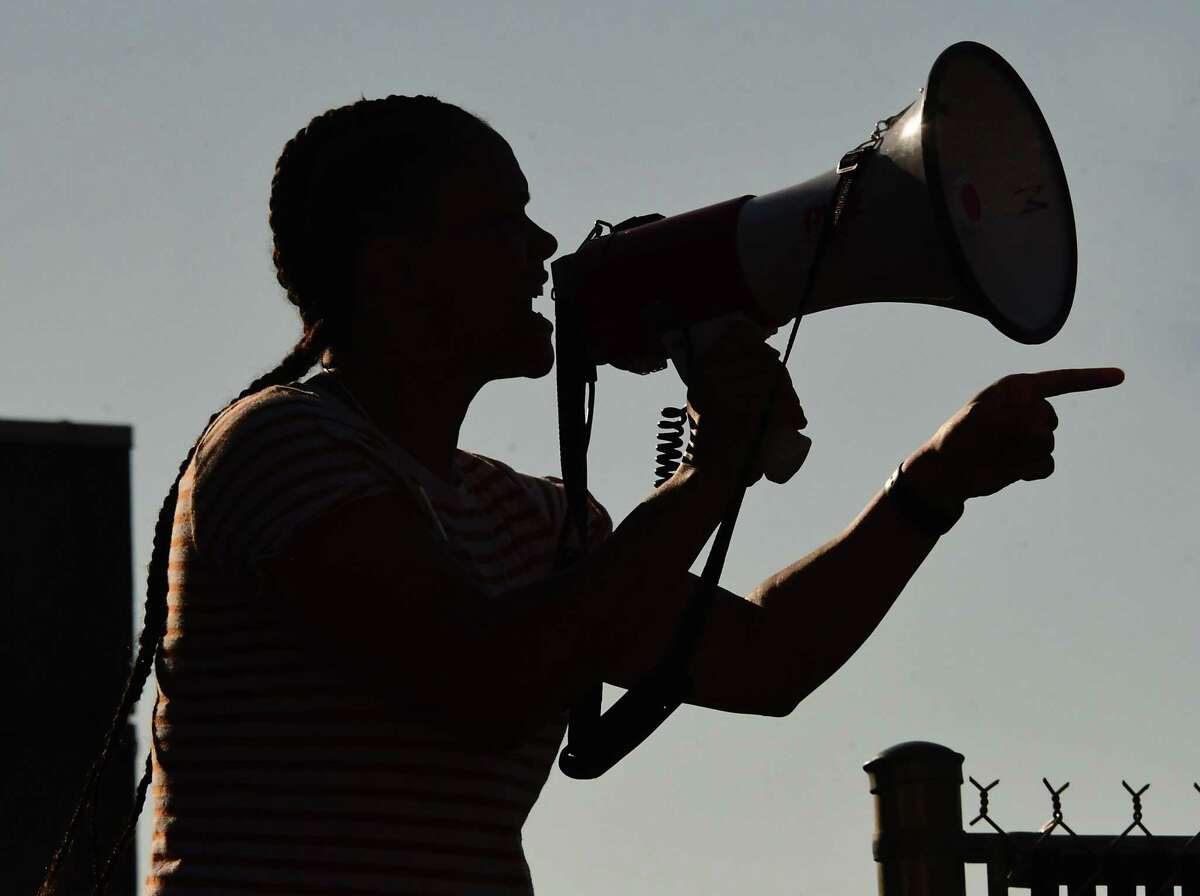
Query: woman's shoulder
<point x="273" y="461"/>
<point x="299" y="398"/>
<point x="283" y="416"/>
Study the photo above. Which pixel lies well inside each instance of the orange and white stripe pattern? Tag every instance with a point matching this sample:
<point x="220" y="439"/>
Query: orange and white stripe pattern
<point x="273" y="773"/>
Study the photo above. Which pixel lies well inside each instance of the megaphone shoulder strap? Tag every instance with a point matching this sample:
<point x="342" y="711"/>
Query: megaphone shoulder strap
<point x="595" y="741"/>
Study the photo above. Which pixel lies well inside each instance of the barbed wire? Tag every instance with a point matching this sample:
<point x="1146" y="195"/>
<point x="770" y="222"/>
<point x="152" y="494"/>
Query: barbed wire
<point x="1012" y="852"/>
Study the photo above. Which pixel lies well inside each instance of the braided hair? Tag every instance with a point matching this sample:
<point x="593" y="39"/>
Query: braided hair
<point x="370" y="168"/>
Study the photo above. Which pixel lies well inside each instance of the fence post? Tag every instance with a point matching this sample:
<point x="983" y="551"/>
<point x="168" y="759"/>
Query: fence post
<point x="918" y="820"/>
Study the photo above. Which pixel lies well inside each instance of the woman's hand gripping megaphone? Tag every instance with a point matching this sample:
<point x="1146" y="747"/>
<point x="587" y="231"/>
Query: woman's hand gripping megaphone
<point x="733" y="379"/>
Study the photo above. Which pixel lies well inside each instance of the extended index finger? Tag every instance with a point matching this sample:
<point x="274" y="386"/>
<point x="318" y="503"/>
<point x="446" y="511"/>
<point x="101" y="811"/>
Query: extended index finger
<point x="1078" y="379"/>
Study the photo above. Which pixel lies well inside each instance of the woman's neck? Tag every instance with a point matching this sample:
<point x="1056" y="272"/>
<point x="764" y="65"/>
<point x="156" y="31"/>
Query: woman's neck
<point x="420" y="410"/>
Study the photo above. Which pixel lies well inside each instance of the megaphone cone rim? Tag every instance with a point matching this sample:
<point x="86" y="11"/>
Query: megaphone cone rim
<point x="941" y="210"/>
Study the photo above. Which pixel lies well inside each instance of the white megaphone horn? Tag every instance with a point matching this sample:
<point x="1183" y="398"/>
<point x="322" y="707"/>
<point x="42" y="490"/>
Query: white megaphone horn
<point x="961" y="202"/>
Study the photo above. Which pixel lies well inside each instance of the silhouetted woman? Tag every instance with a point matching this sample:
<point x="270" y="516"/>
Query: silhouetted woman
<point x="364" y="654"/>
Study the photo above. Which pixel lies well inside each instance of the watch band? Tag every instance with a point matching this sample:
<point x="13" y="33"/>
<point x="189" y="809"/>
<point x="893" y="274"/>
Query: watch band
<point x="926" y="517"/>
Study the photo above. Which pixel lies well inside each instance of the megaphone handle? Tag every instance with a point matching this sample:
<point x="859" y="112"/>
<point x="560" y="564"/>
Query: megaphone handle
<point x="784" y="449"/>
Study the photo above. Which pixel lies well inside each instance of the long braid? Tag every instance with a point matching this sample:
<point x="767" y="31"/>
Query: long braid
<point x="336" y="182"/>
<point x="297" y="363"/>
<point x="303" y="356"/>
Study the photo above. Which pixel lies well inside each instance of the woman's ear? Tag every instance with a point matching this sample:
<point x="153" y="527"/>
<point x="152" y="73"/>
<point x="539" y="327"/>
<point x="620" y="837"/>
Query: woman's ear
<point x="394" y="309"/>
<point x="383" y="265"/>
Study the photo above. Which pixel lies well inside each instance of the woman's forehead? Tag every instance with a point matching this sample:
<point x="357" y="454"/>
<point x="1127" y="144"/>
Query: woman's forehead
<point x="491" y="172"/>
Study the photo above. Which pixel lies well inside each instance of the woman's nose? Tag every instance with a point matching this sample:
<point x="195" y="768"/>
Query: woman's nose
<point x="547" y="243"/>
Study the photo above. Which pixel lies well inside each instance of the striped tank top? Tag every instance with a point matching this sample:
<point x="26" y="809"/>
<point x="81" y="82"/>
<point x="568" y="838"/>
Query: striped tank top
<point x="273" y="773"/>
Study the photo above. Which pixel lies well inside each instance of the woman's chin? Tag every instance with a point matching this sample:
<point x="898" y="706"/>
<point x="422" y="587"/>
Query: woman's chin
<point x="521" y="348"/>
<point x="538" y="362"/>
<point x="545" y="363"/>
<point x="536" y="347"/>
<point x="528" y="359"/>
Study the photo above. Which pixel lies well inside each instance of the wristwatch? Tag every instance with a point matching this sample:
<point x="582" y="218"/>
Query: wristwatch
<point x="928" y="518"/>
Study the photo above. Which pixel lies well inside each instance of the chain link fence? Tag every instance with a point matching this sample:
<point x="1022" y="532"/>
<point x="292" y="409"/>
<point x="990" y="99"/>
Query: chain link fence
<point x="921" y="848"/>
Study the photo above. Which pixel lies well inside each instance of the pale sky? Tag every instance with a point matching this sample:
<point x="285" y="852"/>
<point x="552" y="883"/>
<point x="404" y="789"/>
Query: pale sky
<point x="1052" y="632"/>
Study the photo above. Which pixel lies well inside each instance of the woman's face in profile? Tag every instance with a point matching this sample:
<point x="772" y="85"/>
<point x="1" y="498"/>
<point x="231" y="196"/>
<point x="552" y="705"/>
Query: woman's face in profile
<point x="480" y="273"/>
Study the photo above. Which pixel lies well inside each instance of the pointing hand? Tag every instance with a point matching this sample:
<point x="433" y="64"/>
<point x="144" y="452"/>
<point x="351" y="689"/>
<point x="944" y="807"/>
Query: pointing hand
<point x="1006" y="432"/>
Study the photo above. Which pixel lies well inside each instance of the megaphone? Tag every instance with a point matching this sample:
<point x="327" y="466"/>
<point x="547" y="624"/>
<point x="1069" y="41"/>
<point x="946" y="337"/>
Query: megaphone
<point x="958" y="201"/>
<point x="962" y="204"/>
